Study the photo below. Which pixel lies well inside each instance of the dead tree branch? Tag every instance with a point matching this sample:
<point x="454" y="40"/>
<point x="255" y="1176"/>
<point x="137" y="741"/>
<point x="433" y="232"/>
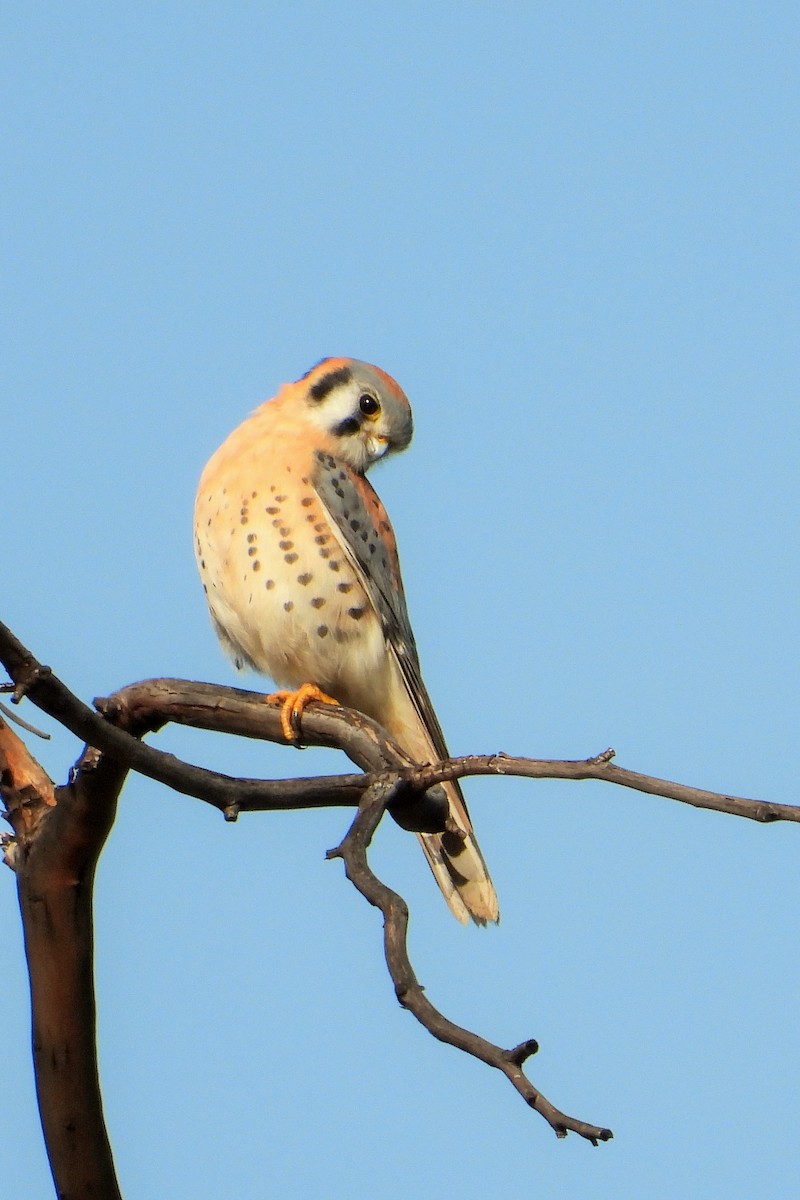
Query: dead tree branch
<point x="353" y="851"/>
<point x="601" y="767"/>
<point x="59" y="833"/>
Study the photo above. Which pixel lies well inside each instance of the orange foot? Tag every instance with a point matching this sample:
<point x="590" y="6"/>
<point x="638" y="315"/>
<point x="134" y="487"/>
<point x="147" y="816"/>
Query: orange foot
<point x="293" y="705"/>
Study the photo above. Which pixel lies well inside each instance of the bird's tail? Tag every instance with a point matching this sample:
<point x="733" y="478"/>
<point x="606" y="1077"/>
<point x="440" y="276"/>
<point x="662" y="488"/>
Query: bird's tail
<point x="454" y="856"/>
<point x="459" y="866"/>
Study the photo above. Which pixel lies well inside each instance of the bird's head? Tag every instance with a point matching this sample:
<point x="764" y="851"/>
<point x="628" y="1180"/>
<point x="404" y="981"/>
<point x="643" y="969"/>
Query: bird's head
<point x="360" y="409"/>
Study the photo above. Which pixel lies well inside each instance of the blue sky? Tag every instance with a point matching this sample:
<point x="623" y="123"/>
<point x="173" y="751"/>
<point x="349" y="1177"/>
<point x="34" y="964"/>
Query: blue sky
<point x="570" y="232"/>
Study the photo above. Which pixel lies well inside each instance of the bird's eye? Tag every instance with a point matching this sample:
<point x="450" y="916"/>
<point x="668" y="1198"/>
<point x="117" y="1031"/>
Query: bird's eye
<point x="368" y="405"/>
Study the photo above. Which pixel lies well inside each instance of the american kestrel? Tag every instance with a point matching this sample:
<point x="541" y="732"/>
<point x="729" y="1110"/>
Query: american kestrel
<point x="299" y="565"/>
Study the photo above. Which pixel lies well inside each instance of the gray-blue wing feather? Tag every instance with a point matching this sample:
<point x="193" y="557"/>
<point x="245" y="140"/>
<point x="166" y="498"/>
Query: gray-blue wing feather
<point x="362" y="526"/>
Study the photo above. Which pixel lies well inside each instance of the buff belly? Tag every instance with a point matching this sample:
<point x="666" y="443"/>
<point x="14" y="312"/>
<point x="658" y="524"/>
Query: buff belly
<point x="297" y="618"/>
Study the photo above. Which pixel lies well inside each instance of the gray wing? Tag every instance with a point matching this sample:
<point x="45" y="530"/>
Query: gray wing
<point x="365" y="532"/>
<point x="359" y="521"/>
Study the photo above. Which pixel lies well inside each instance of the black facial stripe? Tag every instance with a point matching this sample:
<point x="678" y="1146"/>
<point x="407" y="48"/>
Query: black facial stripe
<point x="333" y="379"/>
<point x="349" y="425"/>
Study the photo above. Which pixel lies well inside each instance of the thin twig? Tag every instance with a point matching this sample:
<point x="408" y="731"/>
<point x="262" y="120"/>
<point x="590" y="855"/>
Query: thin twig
<point x="12" y="716"/>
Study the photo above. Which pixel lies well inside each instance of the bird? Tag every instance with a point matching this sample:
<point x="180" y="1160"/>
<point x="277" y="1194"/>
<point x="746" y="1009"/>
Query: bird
<point x="300" y="568"/>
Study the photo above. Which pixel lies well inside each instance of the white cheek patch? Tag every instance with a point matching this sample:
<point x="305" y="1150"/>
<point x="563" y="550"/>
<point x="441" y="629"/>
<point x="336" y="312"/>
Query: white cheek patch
<point x="339" y="405"/>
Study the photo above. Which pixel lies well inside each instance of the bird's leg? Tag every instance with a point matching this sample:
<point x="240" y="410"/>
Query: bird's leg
<point x="292" y="706"/>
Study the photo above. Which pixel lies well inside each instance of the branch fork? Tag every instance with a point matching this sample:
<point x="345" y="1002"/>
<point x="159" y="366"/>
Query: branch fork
<point x="59" y="833"/>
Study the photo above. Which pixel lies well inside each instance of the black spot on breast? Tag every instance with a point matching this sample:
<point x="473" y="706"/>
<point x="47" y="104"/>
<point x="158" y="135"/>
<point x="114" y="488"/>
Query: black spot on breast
<point x="322" y="631"/>
<point x="322" y="538"/>
<point x="251" y="537"/>
<point x="290" y="558"/>
<point x="317" y="602"/>
<point x="305" y="578"/>
<point x="272" y="509"/>
<point x="285" y="545"/>
<point x="307" y="501"/>
<point x="280" y="499"/>
<point x="269" y="584"/>
<point x="355" y="525"/>
<point x="289" y="605"/>
<point x="256" y="565"/>
<point x="356" y="613"/>
<point x="344" y="587"/>
<point x="334" y="565"/>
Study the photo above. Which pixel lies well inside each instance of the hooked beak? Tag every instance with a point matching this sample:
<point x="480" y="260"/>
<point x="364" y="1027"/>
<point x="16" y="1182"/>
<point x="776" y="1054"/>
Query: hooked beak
<point x="377" y="446"/>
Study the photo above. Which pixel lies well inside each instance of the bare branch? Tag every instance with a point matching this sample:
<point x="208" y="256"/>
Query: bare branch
<point x="353" y="851"/>
<point x="59" y="833"/>
<point x="601" y="767"/>
<point x="146" y="706"/>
